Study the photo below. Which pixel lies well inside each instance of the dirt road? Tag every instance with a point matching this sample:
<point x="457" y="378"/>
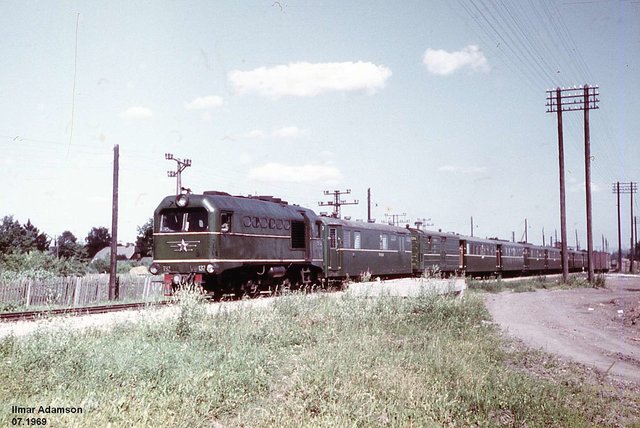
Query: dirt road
<point x="598" y="327"/>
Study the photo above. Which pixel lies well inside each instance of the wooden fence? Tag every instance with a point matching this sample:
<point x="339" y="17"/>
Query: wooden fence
<point x="78" y="291"/>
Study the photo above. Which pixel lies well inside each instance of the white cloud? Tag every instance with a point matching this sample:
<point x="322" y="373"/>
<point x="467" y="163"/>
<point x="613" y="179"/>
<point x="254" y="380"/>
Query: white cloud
<point x="255" y="134"/>
<point x="284" y="132"/>
<point x="441" y="62"/>
<point x="288" y="132"/>
<point x="296" y="173"/>
<point x="304" y="79"/>
<point x="204" y="103"/>
<point x="137" y="112"/>
<point x="463" y="169"/>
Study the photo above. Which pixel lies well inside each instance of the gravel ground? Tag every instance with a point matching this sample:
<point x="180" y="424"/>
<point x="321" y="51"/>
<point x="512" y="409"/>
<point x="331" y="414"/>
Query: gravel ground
<point x="596" y="327"/>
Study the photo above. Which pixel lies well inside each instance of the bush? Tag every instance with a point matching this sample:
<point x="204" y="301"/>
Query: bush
<point x="40" y="265"/>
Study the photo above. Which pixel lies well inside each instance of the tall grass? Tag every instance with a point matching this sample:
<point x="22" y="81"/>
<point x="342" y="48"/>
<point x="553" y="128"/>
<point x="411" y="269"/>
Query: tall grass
<point x="314" y="361"/>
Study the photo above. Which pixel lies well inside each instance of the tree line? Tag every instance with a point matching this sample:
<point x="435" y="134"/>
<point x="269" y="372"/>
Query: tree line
<point x="25" y="249"/>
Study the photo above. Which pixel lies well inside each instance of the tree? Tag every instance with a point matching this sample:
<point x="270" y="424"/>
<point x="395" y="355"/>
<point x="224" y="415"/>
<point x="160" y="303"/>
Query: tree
<point x="13" y="238"/>
<point x="144" y="241"/>
<point x="39" y="240"/>
<point x="96" y="240"/>
<point x="68" y="246"/>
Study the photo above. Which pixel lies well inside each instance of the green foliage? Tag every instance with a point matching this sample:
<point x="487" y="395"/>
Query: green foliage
<point x="144" y="241"/>
<point x="101" y="265"/>
<point x="13" y="237"/>
<point x="68" y="246"/>
<point x="96" y="240"/>
<point x="40" y="241"/>
<point x="38" y="265"/>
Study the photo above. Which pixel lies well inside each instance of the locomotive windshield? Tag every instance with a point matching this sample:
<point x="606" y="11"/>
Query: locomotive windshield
<point x="184" y="220"/>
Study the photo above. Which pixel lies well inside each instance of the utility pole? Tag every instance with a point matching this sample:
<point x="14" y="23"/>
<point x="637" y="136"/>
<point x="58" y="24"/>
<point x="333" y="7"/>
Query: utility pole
<point x="472" y="226"/>
<point x="114" y="226"/>
<point x="422" y="222"/>
<point x="337" y="203"/>
<point x="616" y="189"/>
<point x="369" y="205"/>
<point x="569" y="99"/>
<point x="526" y="236"/>
<point x="635" y="241"/>
<point x="543" y="242"/>
<point x="396" y="219"/>
<point x="631" y="188"/>
<point x="182" y="165"/>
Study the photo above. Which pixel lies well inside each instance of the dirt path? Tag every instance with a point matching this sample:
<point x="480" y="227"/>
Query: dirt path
<point x="584" y="324"/>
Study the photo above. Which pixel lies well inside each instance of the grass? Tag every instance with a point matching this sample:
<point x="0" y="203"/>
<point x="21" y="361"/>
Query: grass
<point x="493" y="285"/>
<point x="306" y="361"/>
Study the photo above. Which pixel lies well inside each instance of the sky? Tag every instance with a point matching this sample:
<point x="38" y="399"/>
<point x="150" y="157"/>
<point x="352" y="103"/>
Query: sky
<point x="437" y="106"/>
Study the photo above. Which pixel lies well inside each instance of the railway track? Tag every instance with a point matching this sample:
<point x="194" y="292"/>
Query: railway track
<point x="86" y="310"/>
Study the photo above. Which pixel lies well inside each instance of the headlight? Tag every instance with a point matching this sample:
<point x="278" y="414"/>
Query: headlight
<point x="176" y="279"/>
<point x="210" y="268"/>
<point x="182" y="200"/>
<point x="154" y="269"/>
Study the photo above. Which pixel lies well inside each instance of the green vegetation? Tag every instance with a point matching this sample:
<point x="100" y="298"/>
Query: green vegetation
<point x="493" y="285"/>
<point x="305" y="361"/>
<point x="25" y="252"/>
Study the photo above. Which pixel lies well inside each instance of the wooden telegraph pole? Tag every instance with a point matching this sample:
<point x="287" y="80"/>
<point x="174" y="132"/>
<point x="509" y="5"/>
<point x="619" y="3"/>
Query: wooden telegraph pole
<point x="337" y="202"/>
<point x="569" y="99"/>
<point x="631" y="188"/>
<point x="114" y="226"/>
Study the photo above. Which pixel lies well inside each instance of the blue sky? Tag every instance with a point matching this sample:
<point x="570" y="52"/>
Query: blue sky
<point x="438" y="107"/>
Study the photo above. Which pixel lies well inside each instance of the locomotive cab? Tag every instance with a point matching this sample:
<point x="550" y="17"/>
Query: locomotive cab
<point x="229" y="244"/>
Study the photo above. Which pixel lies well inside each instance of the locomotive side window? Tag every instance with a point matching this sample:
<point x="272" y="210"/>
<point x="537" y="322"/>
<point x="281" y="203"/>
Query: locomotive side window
<point x="346" y="239"/>
<point x="279" y="223"/>
<point x="246" y="220"/>
<point x="225" y="222"/>
<point x="298" y="234"/>
<point x="356" y="240"/>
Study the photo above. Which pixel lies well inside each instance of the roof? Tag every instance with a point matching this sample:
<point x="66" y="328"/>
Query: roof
<point x="122" y="251"/>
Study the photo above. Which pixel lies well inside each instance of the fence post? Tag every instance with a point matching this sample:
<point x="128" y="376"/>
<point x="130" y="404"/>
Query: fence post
<point x="76" y="293"/>
<point x="145" y="290"/>
<point x="28" y="299"/>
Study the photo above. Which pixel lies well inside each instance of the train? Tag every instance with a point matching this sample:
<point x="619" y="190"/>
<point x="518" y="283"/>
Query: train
<point x="247" y="245"/>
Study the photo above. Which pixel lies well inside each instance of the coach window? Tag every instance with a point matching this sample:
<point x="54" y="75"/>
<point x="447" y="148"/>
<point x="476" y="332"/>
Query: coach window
<point x="356" y="240"/>
<point x="225" y="222"/>
<point x="333" y="241"/>
<point x="384" y="242"/>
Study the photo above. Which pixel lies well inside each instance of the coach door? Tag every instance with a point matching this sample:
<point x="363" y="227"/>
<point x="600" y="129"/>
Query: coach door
<point x="335" y="255"/>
